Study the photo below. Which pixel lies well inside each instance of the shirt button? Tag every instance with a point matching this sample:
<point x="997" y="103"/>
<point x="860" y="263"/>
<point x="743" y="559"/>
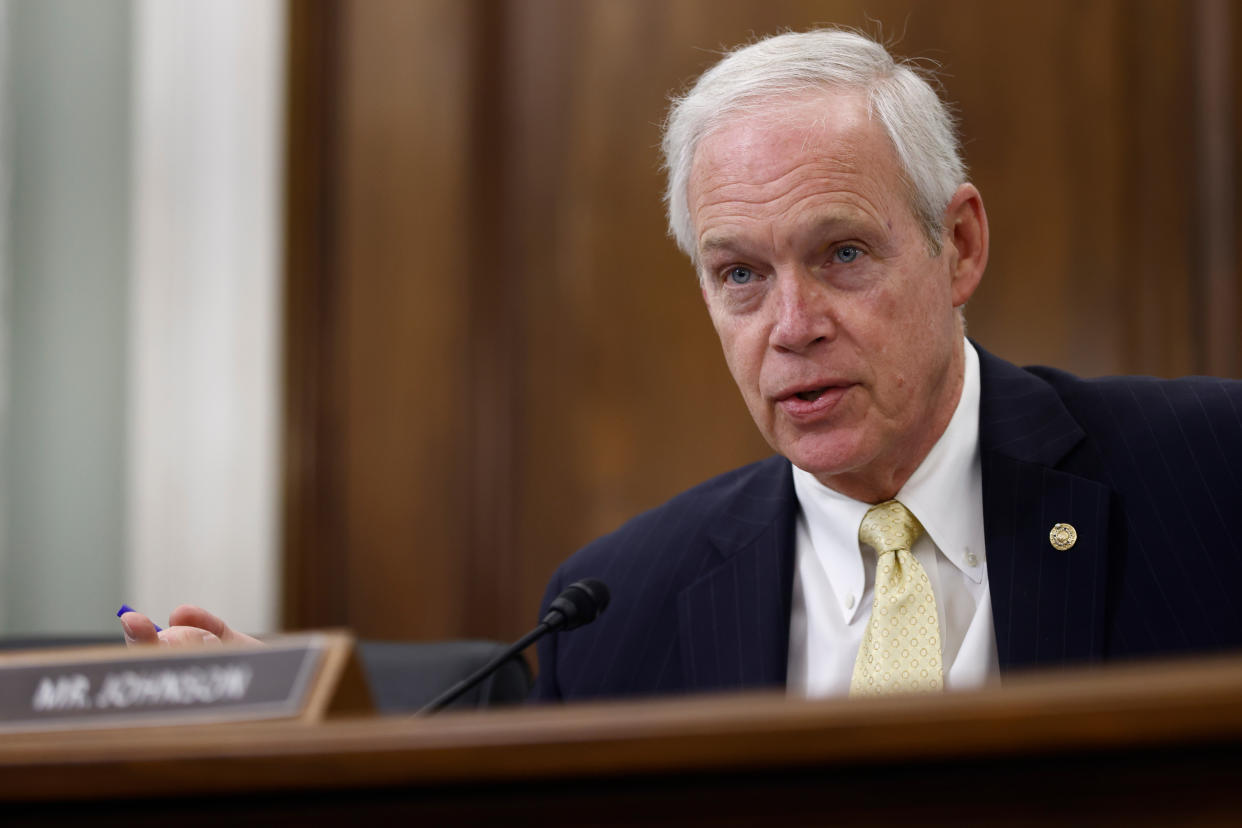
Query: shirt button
<point x="849" y="602"/>
<point x="972" y="559"/>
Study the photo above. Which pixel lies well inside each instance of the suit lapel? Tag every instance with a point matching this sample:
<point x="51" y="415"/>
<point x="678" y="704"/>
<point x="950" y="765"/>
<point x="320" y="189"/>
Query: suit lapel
<point x="1047" y="603"/>
<point x="734" y="619"/>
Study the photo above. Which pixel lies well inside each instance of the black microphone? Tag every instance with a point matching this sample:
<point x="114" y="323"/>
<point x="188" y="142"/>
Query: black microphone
<point x="581" y="603"/>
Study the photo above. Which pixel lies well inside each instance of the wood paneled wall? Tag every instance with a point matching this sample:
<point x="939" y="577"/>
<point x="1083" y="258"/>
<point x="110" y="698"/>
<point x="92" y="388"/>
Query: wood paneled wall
<point x="494" y="354"/>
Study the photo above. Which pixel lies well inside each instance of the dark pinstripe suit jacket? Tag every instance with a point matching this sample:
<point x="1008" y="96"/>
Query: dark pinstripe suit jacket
<point x="1148" y="471"/>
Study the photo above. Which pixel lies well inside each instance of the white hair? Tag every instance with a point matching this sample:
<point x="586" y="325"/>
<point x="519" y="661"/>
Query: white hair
<point x="749" y="78"/>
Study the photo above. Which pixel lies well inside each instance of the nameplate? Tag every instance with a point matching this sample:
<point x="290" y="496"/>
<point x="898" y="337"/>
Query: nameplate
<point x="294" y="676"/>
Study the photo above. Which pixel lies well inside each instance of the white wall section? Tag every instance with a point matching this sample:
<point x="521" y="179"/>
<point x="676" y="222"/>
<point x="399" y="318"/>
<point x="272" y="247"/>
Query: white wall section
<point x="205" y="300"/>
<point x="67" y="71"/>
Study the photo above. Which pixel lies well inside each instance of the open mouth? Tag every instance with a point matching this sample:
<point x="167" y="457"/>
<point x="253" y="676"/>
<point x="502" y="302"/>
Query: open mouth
<point x="812" y="395"/>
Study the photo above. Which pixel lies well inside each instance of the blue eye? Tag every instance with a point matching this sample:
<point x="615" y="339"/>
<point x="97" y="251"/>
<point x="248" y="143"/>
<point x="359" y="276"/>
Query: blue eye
<point x="847" y="254"/>
<point x="740" y="275"/>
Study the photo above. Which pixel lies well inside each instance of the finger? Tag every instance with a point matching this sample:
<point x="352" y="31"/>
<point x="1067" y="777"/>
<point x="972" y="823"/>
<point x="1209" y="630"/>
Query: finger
<point x="192" y="616"/>
<point x="138" y="629"/>
<point x="181" y="636"/>
<point x="188" y="615"/>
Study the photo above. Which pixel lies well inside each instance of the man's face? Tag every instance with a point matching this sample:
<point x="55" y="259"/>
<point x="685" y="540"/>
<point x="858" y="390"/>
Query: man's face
<point x="838" y="325"/>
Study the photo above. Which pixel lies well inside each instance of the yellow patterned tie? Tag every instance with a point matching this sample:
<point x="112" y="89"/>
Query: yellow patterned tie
<point x="901" y="646"/>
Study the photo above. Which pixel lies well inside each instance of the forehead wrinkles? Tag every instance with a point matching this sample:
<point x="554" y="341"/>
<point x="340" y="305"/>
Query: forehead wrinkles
<point x="780" y="192"/>
<point x="766" y="169"/>
<point x="832" y="140"/>
<point x="762" y="152"/>
<point x="739" y="180"/>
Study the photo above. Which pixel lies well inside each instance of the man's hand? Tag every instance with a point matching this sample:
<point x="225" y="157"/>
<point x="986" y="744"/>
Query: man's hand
<point x="187" y="626"/>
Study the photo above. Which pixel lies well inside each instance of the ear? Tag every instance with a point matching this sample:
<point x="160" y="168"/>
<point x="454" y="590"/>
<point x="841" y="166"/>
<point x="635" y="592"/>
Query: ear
<point x="966" y="239"/>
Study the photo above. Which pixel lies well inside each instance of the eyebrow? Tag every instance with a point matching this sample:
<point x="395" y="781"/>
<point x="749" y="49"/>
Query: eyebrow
<point x="717" y="242"/>
<point x="830" y="221"/>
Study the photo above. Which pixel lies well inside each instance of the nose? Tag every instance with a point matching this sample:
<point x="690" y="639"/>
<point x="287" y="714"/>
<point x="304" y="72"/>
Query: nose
<point x="803" y="313"/>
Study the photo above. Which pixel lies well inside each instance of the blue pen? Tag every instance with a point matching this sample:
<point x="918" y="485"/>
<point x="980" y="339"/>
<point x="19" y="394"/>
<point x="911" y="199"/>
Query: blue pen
<point x="127" y="608"/>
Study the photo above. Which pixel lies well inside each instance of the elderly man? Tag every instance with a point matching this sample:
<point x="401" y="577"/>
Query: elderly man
<point x="935" y="516"/>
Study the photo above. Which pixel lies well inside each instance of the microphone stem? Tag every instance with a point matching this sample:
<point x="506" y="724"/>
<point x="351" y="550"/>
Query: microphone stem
<point x="450" y="695"/>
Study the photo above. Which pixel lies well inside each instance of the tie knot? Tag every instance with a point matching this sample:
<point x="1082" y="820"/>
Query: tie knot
<point x="888" y="527"/>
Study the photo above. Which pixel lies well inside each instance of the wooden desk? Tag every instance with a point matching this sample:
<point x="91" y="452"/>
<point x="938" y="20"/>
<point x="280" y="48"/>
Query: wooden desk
<point x="1140" y="745"/>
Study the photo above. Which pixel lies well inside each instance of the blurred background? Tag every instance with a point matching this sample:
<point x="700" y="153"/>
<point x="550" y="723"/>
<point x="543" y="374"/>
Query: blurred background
<point x="363" y="313"/>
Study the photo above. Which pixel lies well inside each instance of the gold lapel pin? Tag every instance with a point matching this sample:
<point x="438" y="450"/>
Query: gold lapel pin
<point x="1063" y="536"/>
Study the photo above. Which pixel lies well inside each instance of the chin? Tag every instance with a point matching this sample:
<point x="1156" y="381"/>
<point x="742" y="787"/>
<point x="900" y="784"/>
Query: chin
<point x="825" y="457"/>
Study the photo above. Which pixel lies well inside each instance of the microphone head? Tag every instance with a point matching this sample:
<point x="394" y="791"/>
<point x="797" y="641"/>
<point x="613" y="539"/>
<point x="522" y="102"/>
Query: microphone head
<point x="581" y="603"/>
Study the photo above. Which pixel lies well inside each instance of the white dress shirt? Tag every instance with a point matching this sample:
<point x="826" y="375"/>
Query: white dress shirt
<point x="835" y="574"/>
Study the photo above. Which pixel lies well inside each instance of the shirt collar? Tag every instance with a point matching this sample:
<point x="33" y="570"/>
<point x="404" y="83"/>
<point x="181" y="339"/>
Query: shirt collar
<point x="944" y="493"/>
